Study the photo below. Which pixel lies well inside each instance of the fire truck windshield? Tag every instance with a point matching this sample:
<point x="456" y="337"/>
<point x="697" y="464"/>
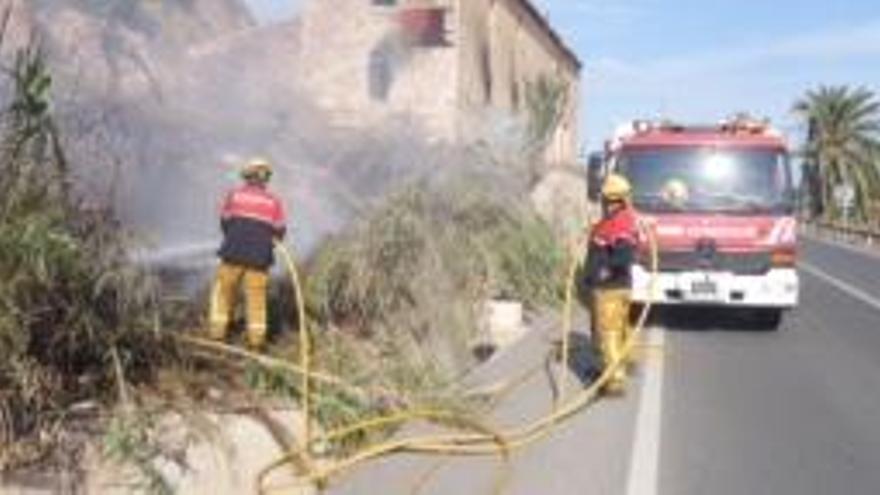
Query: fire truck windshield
<point x="701" y="179"/>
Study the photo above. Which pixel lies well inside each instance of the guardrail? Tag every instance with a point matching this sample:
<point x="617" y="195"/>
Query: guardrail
<point x="844" y="232"/>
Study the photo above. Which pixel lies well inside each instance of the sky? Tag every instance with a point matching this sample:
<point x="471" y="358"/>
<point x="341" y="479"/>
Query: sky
<point x="699" y="60"/>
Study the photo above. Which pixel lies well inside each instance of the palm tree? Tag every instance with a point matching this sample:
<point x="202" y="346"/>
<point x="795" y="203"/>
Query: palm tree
<point x="842" y="145"/>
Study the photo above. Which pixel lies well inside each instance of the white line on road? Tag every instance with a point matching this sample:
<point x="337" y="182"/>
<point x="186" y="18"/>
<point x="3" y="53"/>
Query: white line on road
<point x="849" y="289"/>
<point x="645" y="462"/>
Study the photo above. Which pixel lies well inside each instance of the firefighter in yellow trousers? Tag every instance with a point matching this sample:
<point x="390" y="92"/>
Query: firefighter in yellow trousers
<point x="613" y="243"/>
<point x="252" y="219"/>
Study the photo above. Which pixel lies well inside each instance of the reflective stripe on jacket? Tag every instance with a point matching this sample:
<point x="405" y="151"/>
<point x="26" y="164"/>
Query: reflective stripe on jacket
<point x="619" y="227"/>
<point x="613" y="243"/>
<point x="251" y="218"/>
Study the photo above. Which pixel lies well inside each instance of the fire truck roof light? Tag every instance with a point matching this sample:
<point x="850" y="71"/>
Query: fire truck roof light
<point x="746" y="124"/>
<point x="640" y="126"/>
<point x="738" y="125"/>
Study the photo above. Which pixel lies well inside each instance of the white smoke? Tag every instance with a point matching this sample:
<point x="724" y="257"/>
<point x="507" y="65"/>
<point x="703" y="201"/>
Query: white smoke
<point x="164" y="131"/>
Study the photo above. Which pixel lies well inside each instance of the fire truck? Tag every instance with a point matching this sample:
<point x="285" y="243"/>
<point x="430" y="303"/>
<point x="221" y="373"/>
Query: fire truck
<point x="721" y="202"/>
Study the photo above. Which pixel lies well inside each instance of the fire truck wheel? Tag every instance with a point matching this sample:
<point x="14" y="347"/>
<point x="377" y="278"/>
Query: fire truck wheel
<point x="769" y="319"/>
<point x="635" y="312"/>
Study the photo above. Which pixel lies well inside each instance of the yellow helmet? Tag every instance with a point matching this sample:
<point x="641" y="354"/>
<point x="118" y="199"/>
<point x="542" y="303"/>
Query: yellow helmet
<point x="616" y="188"/>
<point x="257" y="168"/>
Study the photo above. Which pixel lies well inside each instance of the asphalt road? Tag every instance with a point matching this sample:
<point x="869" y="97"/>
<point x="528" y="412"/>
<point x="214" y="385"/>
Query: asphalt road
<point x="724" y="410"/>
<point x="791" y="412"/>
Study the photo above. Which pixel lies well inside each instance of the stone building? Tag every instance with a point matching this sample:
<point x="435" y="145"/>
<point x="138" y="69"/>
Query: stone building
<point x="460" y="69"/>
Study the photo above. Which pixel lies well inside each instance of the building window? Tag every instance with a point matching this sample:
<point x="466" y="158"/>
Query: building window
<point x="486" y="73"/>
<point x="424" y="26"/>
<point x="380" y="74"/>
<point x="515" y="96"/>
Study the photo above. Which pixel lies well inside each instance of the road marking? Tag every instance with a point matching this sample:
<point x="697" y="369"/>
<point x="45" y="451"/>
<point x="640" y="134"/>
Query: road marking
<point x="645" y="462"/>
<point x="849" y="289"/>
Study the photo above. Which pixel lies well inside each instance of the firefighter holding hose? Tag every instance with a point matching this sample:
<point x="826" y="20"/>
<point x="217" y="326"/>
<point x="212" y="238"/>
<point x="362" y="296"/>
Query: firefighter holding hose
<point x="612" y="247"/>
<point x="252" y="219"/>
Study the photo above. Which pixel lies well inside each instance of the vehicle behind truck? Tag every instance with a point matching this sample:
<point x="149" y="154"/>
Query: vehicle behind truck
<point x="721" y="200"/>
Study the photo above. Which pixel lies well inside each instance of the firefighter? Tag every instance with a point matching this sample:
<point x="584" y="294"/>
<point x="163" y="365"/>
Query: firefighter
<point x="676" y="193"/>
<point x="252" y="219"/>
<point x="613" y="243"/>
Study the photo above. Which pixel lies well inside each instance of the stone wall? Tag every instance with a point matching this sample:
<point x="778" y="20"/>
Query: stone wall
<point x="503" y="49"/>
<point x="472" y="88"/>
<point x="350" y="46"/>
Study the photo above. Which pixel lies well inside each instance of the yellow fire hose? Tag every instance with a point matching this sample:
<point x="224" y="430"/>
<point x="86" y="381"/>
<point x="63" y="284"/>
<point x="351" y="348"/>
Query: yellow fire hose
<point x="567" y="321"/>
<point x="483" y="432"/>
<point x="305" y="348"/>
<point x="486" y="442"/>
<point x="274" y="363"/>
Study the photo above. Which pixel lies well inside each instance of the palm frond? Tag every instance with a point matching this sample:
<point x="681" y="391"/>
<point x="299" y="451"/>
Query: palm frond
<point x="843" y="140"/>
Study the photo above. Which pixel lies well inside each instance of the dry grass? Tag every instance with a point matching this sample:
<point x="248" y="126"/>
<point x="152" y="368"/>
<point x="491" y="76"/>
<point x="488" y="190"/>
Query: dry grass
<point x="402" y="291"/>
<point x="78" y="323"/>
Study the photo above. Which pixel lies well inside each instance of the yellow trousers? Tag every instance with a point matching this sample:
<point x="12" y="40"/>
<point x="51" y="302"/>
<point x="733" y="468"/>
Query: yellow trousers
<point x="224" y="297"/>
<point x="611" y="329"/>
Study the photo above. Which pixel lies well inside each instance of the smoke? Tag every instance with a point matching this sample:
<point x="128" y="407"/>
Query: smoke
<point x="161" y="127"/>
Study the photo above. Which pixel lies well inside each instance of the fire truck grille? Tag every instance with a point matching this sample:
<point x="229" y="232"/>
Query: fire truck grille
<point x="738" y="263"/>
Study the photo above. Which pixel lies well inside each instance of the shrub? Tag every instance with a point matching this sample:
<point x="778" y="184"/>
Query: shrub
<point x="413" y="274"/>
<point x="77" y="320"/>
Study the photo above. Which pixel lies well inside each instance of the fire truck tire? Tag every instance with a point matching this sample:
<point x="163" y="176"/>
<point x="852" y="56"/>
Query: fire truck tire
<point x="769" y="319"/>
<point x="635" y="312"/>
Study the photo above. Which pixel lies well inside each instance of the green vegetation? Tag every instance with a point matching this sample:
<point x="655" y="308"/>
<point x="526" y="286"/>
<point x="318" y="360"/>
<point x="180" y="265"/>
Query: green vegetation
<point x="403" y="288"/>
<point x="127" y="441"/>
<point x="842" y="147"/>
<point x="546" y="99"/>
<point x="394" y="303"/>
<point x="77" y="321"/>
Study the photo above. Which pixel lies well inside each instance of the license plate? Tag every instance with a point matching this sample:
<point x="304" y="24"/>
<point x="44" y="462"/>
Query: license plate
<point x="704" y="288"/>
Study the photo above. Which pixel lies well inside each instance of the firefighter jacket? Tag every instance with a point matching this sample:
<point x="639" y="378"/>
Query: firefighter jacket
<point x="251" y="218"/>
<point x="613" y="244"/>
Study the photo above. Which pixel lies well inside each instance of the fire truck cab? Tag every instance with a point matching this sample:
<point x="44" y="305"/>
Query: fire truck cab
<point x="720" y="200"/>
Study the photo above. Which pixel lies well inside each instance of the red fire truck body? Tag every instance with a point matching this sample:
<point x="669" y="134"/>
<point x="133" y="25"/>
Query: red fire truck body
<point x="721" y="202"/>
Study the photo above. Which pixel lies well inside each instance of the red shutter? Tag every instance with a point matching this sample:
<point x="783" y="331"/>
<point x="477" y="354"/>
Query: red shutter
<point x="425" y="26"/>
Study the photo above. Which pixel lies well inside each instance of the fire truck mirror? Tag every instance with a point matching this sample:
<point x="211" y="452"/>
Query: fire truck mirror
<point x="792" y="201"/>
<point x="595" y="174"/>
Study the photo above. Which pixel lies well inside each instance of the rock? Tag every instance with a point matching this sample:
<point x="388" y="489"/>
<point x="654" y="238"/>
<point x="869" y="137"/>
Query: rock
<point x="504" y="322"/>
<point x="224" y="461"/>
